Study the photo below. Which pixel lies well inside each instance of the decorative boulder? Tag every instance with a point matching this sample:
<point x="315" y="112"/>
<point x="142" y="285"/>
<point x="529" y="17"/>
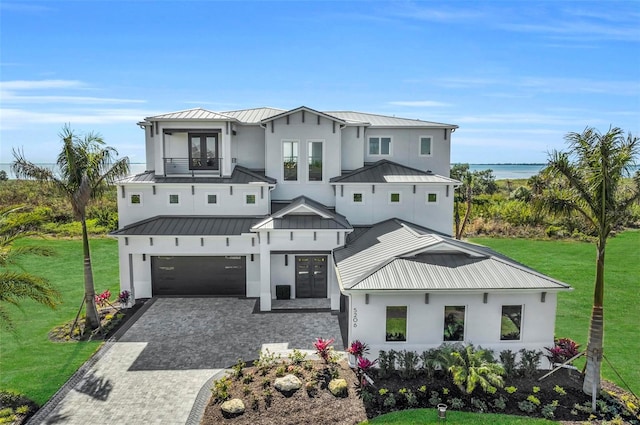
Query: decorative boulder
<point x="233" y="407"/>
<point x="338" y="387"/>
<point x="288" y="384"/>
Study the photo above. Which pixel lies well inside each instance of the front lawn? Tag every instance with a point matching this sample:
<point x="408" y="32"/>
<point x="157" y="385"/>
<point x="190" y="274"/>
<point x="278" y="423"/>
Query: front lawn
<point x="29" y="362"/>
<point x="574" y="263"/>
<point x="430" y="416"/>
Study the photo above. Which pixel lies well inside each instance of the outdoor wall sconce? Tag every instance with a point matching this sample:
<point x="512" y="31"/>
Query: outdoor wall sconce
<point x="543" y="297"/>
<point x="442" y="412"/>
<point x="366" y="298"/>
<point x="286" y="259"/>
<point x="485" y="297"/>
<point x="426" y="298"/>
<point x="251" y="257"/>
<point x="144" y="257"/>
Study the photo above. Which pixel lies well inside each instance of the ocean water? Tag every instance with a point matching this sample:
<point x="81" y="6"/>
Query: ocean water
<point x="500" y="171"/>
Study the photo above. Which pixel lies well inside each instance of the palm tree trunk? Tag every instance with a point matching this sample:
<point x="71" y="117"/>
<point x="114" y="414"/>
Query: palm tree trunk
<point x="92" y="320"/>
<point x="596" y="329"/>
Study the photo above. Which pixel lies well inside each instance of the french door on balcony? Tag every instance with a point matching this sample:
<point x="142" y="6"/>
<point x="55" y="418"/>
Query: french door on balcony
<point x="204" y="151"/>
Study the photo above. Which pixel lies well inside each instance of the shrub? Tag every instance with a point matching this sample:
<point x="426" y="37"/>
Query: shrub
<point x="529" y="362"/>
<point x="408" y="364"/>
<point x="533" y="399"/>
<point x="103" y="299"/>
<point x="220" y="390"/>
<point x="472" y="367"/>
<point x="412" y="400"/>
<point x="511" y="389"/>
<point x="386" y="363"/>
<point x="479" y="404"/>
<point x="526" y="406"/>
<point x="435" y="399"/>
<point x="364" y="365"/>
<point x="563" y="349"/>
<point x="559" y="390"/>
<point x="124" y="296"/>
<point x="297" y="356"/>
<point x="238" y="369"/>
<point x="281" y="371"/>
<point x="508" y="360"/>
<point x="500" y="403"/>
<point x="456" y="403"/>
<point x="266" y="361"/>
<point x="548" y="410"/>
<point x="390" y="400"/>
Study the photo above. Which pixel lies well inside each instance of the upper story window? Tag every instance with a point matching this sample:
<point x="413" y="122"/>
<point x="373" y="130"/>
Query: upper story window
<point x="394" y="198"/>
<point x="432" y="198"/>
<point x="135" y="199"/>
<point x="315" y="161"/>
<point x="204" y="151"/>
<point x="174" y="199"/>
<point x="426" y="146"/>
<point x="379" y="145"/>
<point x="250" y="199"/>
<point x="358" y="198"/>
<point x="290" y="160"/>
<point x="212" y="198"/>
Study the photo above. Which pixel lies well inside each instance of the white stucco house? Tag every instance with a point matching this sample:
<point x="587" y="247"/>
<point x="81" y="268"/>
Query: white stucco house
<point x="351" y="208"/>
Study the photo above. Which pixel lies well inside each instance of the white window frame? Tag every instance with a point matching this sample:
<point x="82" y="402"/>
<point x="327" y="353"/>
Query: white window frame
<point x="430" y="146"/>
<point x="206" y="198"/>
<point x="361" y="193"/>
<point x="426" y="198"/>
<point x="172" y="203"/>
<point x="131" y="195"/>
<point x="406" y="330"/>
<point x="255" y="198"/>
<point x="282" y="142"/>
<point x="521" y="324"/>
<point x="394" y="192"/>
<point x="464" y="326"/>
<point x="380" y="145"/>
<point x="307" y="156"/>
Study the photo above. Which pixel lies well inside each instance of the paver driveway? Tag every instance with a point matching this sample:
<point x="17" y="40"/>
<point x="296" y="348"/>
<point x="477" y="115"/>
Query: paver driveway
<point x="153" y="373"/>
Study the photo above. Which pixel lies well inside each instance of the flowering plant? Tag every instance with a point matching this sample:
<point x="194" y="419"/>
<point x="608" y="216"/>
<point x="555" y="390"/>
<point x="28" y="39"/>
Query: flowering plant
<point x="364" y="364"/>
<point x="103" y="298"/>
<point x="562" y="350"/>
<point x="358" y="348"/>
<point x="124" y="296"/>
<point x="323" y="348"/>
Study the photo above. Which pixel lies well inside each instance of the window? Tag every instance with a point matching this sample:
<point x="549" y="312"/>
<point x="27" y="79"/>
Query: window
<point x="425" y="146"/>
<point x="290" y="160"/>
<point x="135" y="199"/>
<point x="315" y="161"/>
<point x="396" y="323"/>
<point x="212" y="198"/>
<point x="454" y="323"/>
<point x="511" y="322"/>
<point x="358" y="198"/>
<point x="250" y="199"/>
<point x="432" y="198"/>
<point x="394" y="198"/>
<point x="174" y="199"/>
<point x="203" y="151"/>
<point x="379" y="145"/>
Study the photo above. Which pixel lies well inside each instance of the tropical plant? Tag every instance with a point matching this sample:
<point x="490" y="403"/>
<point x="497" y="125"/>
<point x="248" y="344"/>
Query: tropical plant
<point x="473" y="183"/>
<point x="324" y="348"/>
<point x="590" y="182"/>
<point x="358" y="348"/>
<point x="84" y="169"/>
<point x="20" y="285"/>
<point x="563" y="349"/>
<point x="473" y="367"/>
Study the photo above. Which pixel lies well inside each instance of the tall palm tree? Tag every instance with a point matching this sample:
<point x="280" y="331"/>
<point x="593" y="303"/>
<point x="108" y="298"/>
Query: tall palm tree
<point x="591" y="183"/>
<point x="19" y="285"/>
<point x="84" y="169"/>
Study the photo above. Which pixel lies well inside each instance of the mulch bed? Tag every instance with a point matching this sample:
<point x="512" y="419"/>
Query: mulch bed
<point x="323" y="408"/>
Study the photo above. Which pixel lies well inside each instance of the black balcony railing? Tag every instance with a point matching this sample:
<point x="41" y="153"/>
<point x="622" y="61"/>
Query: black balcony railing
<point x="192" y="166"/>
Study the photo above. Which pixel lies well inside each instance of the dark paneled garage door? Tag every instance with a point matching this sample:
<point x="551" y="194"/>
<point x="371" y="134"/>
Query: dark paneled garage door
<point x="198" y="275"/>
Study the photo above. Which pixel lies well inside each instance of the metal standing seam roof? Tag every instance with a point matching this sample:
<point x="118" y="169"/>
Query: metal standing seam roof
<point x="377" y="120"/>
<point x="394" y="255"/>
<point x="189" y="226"/>
<point x="240" y="175"/>
<point x="385" y="171"/>
<point x="253" y="116"/>
<point x="304" y="108"/>
<point x="304" y="213"/>
<point x="191" y="114"/>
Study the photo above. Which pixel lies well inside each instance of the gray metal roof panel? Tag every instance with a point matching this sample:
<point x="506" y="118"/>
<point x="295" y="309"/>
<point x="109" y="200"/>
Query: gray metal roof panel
<point x="189" y="226"/>
<point x="317" y="216"/>
<point x="304" y="108"/>
<point x="191" y="114"/>
<point x="240" y="175"/>
<point x="385" y="171"/>
<point x="376" y="120"/>
<point x="253" y="116"/>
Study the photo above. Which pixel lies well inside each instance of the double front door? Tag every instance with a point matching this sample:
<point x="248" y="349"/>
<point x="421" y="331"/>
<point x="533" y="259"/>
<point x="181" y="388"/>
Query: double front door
<point x="311" y="277"/>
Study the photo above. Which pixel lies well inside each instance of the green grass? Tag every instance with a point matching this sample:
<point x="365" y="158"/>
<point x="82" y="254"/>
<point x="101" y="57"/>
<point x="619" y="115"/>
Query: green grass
<point x="430" y="416"/>
<point x="29" y="362"/>
<point x="574" y="263"/>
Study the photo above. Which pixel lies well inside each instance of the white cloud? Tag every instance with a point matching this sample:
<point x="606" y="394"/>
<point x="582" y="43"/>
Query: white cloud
<point x="18" y="118"/>
<point x="40" y="84"/>
<point x="85" y="100"/>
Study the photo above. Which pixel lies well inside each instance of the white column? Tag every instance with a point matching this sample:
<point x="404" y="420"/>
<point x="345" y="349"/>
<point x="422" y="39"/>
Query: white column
<point x="265" y="274"/>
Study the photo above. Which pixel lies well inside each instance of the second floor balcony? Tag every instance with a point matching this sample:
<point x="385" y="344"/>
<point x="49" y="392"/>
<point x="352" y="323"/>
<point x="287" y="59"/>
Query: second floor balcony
<point x="192" y="166"/>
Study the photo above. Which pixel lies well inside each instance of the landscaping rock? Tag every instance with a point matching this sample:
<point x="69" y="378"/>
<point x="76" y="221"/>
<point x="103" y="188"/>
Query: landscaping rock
<point x="338" y="387"/>
<point x="288" y="384"/>
<point x="232" y="408"/>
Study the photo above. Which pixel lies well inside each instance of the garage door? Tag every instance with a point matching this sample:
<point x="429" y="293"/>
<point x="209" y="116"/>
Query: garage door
<point x="199" y="275"/>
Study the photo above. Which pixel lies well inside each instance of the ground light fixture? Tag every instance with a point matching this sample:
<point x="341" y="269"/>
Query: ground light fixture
<point x="442" y="412"/>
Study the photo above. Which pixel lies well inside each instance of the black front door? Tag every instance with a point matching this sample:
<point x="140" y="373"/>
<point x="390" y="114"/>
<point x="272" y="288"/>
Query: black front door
<point x="311" y="277"/>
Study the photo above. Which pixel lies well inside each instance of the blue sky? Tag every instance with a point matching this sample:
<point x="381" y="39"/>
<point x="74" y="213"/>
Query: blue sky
<point x="515" y="76"/>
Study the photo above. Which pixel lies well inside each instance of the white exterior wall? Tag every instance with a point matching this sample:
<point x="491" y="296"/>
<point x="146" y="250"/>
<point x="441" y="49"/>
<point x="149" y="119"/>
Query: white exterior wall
<point x="231" y="200"/>
<point x="413" y="207"/>
<point x="303" y="133"/>
<point x="247" y="146"/>
<point x="405" y="148"/>
<point x="352" y="152"/>
<point x="425" y="322"/>
<point x="137" y="278"/>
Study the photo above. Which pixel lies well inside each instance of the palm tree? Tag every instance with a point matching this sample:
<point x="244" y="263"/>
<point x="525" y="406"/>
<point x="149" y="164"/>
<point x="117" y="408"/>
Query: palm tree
<point x="471" y="367"/>
<point x="19" y="285"/>
<point x="84" y="169"/>
<point x="591" y="184"/>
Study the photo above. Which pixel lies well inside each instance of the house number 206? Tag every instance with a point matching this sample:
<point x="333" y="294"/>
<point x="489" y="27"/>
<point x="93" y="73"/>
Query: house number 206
<point x="355" y="317"/>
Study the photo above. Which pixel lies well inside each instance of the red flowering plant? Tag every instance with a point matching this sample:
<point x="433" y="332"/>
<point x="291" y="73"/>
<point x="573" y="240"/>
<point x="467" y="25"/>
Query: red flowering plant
<point x="124" y="297"/>
<point x="103" y="299"/>
<point x="562" y="350"/>
<point x="324" y="348"/>
<point x="364" y="365"/>
<point x="358" y="349"/>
